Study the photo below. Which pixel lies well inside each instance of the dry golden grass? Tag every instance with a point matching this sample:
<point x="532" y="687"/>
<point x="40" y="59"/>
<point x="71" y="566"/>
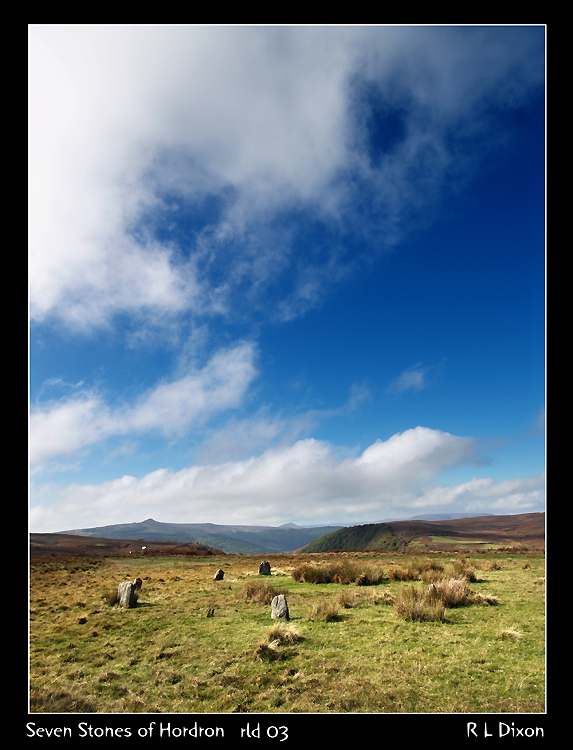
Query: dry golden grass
<point x="344" y="649"/>
<point x="327" y="611"/>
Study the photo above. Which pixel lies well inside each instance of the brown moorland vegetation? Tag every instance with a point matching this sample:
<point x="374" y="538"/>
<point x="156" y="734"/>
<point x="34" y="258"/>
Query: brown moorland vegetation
<point x="392" y="632"/>
<point x="44" y="546"/>
<point x="522" y="531"/>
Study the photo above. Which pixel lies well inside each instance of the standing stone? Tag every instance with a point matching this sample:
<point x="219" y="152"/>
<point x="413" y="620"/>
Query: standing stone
<point x="265" y="568"/>
<point x="218" y="575"/>
<point x="279" y="608"/>
<point x="137" y="584"/>
<point x="126" y="594"/>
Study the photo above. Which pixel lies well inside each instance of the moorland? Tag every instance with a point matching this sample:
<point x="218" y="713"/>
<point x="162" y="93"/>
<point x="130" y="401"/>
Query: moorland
<point x="521" y="530"/>
<point x="416" y="630"/>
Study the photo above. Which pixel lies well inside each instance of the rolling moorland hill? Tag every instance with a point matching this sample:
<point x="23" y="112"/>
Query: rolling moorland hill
<point x="525" y="530"/>
<point x="69" y="545"/>
<point x="249" y="540"/>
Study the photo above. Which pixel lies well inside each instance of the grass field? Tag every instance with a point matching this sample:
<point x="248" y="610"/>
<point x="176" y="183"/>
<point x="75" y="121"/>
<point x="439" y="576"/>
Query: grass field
<point x="195" y="645"/>
<point x="454" y="540"/>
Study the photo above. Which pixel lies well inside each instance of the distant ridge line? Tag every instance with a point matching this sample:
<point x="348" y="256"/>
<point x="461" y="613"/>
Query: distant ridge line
<point x="230" y="538"/>
<point x="508" y="530"/>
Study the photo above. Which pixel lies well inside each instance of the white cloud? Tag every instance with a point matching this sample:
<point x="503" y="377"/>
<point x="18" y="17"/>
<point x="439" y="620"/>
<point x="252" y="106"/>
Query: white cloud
<point x="411" y="379"/>
<point x="519" y="495"/>
<point x="73" y="424"/>
<point x="307" y="481"/>
<point x="118" y="116"/>
<point x="418" y="377"/>
<point x="169" y="170"/>
<point x="132" y="123"/>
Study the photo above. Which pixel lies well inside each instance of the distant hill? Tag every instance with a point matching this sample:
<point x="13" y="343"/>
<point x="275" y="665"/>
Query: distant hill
<point x="254" y="540"/>
<point x="53" y="545"/>
<point x="523" y="530"/>
<point x="442" y="516"/>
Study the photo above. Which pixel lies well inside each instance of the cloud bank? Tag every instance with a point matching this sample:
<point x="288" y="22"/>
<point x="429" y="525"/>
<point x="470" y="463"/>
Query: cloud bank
<point x="308" y="481"/>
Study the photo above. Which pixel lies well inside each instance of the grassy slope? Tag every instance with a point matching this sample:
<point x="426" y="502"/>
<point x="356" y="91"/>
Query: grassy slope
<point x="375" y="537"/>
<point x="501" y="531"/>
<point x="167" y="656"/>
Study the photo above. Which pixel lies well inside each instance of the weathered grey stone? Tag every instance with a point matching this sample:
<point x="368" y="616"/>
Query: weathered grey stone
<point x="137" y="584"/>
<point x="265" y="568"/>
<point x="126" y="594"/>
<point x="219" y="575"/>
<point x="279" y="608"/>
<point x="209" y="611"/>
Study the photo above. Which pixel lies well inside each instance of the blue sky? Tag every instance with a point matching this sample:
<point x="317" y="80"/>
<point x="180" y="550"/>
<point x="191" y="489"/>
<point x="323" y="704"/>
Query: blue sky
<point x="285" y="274"/>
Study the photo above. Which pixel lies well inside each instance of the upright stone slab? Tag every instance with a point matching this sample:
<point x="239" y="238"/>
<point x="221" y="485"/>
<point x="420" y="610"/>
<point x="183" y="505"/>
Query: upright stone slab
<point x="218" y="575"/>
<point x="265" y="568"/>
<point x="126" y="594"/>
<point x="279" y="608"/>
<point x="137" y="584"/>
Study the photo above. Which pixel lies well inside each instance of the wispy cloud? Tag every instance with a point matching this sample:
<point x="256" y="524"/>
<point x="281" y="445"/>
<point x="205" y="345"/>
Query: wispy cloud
<point x="72" y="425"/>
<point x="418" y="377"/>
<point x="241" y="437"/>
<point x="411" y="379"/>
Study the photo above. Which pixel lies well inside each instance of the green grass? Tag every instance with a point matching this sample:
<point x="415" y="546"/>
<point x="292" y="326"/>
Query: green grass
<point x="455" y="540"/>
<point x="460" y="542"/>
<point x="345" y="649"/>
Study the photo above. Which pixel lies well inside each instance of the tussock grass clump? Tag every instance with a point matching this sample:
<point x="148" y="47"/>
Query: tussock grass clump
<point x="486" y="600"/>
<point x="257" y="591"/>
<point x="432" y="602"/>
<point x="425" y="570"/>
<point x="463" y="569"/>
<point x="452" y="592"/>
<point x="458" y="569"/>
<point x="286" y="636"/>
<point x="410" y="573"/>
<point x="268" y="648"/>
<point x="325" y="611"/>
<point x="413" y="604"/>
<point x="383" y="597"/>
<point x="344" y="572"/>
<point x="346" y="599"/>
<point x="371" y="576"/>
